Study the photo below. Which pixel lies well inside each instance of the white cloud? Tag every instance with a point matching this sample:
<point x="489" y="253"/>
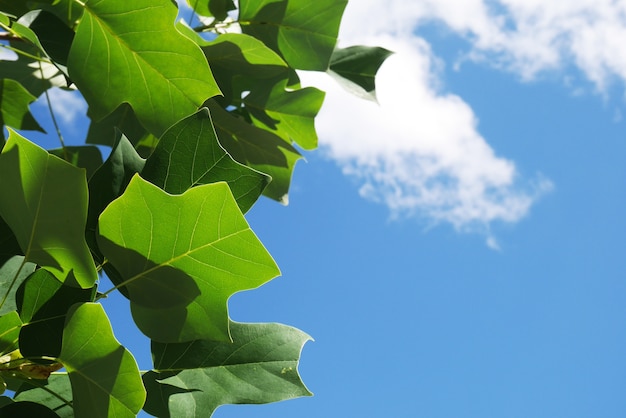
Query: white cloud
<point x="66" y="104"/>
<point x="419" y="150"/>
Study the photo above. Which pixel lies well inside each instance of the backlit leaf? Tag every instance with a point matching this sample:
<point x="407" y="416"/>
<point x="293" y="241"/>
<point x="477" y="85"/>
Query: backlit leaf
<point x="55" y="392"/>
<point x="182" y="257"/>
<point x="193" y="379"/>
<point x="44" y="201"/>
<point x="14" y="101"/>
<point x="10" y="325"/>
<point x="104" y="375"/>
<point x="130" y="51"/>
<point x="356" y="68"/>
<point x="12" y="273"/>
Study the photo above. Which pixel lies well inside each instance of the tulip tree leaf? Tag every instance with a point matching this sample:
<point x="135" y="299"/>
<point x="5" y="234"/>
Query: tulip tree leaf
<point x="290" y="114"/>
<point x="10" y="325"/>
<point x="56" y="392"/>
<point x="131" y="52"/>
<point x="44" y="201"/>
<point x="358" y="65"/>
<point x="295" y="28"/>
<point x="257" y="148"/>
<point x="182" y="257"/>
<point x="14" y="101"/>
<point x="193" y="379"/>
<point x="90" y="353"/>
<point x="189" y="154"/>
<point x="84" y="156"/>
<point x="12" y="273"/>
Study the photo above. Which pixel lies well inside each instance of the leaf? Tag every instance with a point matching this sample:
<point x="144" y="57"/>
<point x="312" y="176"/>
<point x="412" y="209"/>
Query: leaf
<point x="12" y="7"/>
<point x="257" y="148"/>
<point x="44" y="201"/>
<point x="304" y="32"/>
<point x="104" y="375"/>
<point x="217" y="8"/>
<point x="53" y="36"/>
<point x="182" y="257"/>
<point x="9" y="247"/>
<point x="14" y="101"/>
<point x="85" y="156"/>
<point x="189" y="154"/>
<point x="130" y="52"/>
<point x="34" y="76"/>
<point x="105" y="131"/>
<point x="26" y="409"/>
<point x="289" y="114"/>
<point x="193" y="379"/>
<point x="12" y="273"/>
<point x="56" y="393"/>
<point x="358" y="65"/>
<point x="108" y="183"/>
<point x="9" y="332"/>
<point x="42" y="303"/>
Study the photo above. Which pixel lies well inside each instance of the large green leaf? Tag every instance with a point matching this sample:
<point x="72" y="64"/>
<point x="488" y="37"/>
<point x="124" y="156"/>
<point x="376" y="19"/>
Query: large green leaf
<point x="104" y="375"/>
<point x="14" y="101"/>
<point x="304" y="32"/>
<point x="257" y="148"/>
<point x="44" y="201"/>
<point x="12" y="273"/>
<point x="182" y="257"/>
<point x="55" y="392"/>
<point x="290" y="114"/>
<point x="42" y="303"/>
<point x="193" y="379"/>
<point x="356" y="68"/>
<point x="130" y="51"/>
<point x="189" y="154"/>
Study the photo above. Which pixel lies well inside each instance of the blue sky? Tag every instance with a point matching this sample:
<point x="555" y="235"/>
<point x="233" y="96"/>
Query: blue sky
<point x="456" y="250"/>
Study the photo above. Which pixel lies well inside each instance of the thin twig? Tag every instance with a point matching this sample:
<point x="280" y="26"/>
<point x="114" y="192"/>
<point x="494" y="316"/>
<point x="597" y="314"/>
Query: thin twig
<point x="54" y="119"/>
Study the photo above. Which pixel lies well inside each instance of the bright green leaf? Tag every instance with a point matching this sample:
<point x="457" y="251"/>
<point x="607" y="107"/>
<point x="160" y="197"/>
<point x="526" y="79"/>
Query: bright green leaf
<point x="42" y="303"/>
<point x="55" y="392"/>
<point x="257" y="148"/>
<point x="85" y="156"/>
<point x="189" y="154"/>
<point x="289" y="114"/>
<point x="104" y="375"/>
<point x="44" y="201"/>
<point x="356" y="68"/>
<point x="14" y="101"/>
<point x="10" y="325"/>
<point x="130" y="51"/>
<point x="304" y="32"/>
<point x="193" y="379"/>
<point x="12" y="273"/>
<point x="182" y="257"/>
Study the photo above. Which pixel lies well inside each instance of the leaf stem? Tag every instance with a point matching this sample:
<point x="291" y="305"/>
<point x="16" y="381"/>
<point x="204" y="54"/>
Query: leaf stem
<point x="54" y="119"/>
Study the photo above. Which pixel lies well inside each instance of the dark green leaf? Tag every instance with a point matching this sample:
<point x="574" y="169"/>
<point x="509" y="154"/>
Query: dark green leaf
<point x="87" y="157"/>
<point x="104" y="131"/>
<point x="26" y="409"/>
<point x="358" y="65"/>
<point x="182" y="257"/>
<point x="13" y="7"/>
<point x="34" y="76"/>
<point x="55" y="392"/>
<point x="289" y="114"/>
<point x="193" y="379"/>
<point x="304" y="32"/>
<point x="43" y="302"/>
<point x="104" y="375"/>
<point x="130" y="52"/>
<point x="12" y="273"/>
<point x="216" y="8"/>
<point x="44" y="201"/>
<point x="189" y="154"/>
<point x="257" y="148"/>
<point x="14" y="101"/>
<point x="54" y="36"/>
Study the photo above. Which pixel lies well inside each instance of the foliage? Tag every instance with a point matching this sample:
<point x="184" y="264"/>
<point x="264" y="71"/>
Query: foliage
<point x="198" y="123"/>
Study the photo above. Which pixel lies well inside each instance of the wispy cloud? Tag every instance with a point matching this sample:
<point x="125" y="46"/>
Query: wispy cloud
<point x="67" y="105"/>
<point x="419" y="150"/>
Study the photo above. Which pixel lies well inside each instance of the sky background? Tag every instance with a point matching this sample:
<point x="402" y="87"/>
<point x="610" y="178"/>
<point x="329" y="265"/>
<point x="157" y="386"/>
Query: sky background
<point x="456" y="250"/>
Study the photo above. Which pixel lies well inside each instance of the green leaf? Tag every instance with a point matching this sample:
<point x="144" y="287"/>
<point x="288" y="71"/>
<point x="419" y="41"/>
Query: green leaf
<point x="105" y="131"/>
<point x="9" y="332"/>
<point x="9" y="247"/>
<point x="130" y="52"/>
<point x="55" y="392"/>
<point x="182" y="257"/>
<point x="193" y="379"/>
<point x="85" y="156"/>
<point x="26" y="409"/>
<point x="289" y="114"/>
<point x="43" y="303"/>
<point x="34" y="76"/>
<point x="44" y="201"/>
<point x="12" y="273"/>
<point x="104" y="375"/>
<point x="216" y="8"/>
<point x="14" y="101"/>
<point x="189" y="154"/>
<point x="304" y="32"/>
<point x="257" y="148"/>
<point x="12" y="7"/>
<point x="356" y="68"/>
<point x="108" y="183"/>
